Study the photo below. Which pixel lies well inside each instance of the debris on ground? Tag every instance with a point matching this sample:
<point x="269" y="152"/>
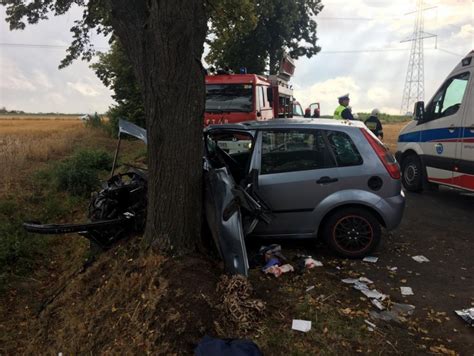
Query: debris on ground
<point x="406" y="291"/>
<point x="301" y="325"/>
<point x="371" y="259"/>
<point x="377" y="303"/>
<point x="277" y="271"/>
<point x="467" y="315"/>
<point x="235" y="347"/>
<point x="241" y="309"/>
<point x="310" y="288"/>
<point x="371" y="326"/>
<point x="396" y="313"/>
<point x="420" y="259"/>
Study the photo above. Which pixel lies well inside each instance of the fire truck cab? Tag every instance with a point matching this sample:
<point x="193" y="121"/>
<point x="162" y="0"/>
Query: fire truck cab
<point x="233" y="98"/>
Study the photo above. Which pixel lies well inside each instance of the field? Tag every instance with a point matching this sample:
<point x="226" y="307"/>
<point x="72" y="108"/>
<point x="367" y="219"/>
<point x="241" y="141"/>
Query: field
<point x="26" y="144"/>
<point x="134" y="303"/>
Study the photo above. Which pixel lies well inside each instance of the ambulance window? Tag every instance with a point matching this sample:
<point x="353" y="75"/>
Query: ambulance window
<point x="448" y="101"/>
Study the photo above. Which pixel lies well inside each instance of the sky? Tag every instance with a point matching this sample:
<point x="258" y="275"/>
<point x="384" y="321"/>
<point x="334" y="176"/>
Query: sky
<point x="361" y="55"/>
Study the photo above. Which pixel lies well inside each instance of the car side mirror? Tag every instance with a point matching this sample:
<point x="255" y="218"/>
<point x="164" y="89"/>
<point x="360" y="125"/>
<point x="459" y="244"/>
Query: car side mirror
<point x="270" y="94"/>
<point x="419" y="111"/>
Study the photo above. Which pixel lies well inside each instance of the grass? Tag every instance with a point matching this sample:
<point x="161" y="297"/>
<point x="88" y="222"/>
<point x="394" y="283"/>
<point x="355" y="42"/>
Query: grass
<point x="386" y="118"/>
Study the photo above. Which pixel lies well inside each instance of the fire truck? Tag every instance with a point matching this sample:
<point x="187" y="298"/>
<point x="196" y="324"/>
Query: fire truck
<point x="232" y="98"/>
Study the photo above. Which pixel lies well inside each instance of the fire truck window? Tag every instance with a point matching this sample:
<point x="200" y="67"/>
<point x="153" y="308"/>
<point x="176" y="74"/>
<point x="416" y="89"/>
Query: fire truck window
<point x="229" y="97"/>
<point x="293" y="150"/>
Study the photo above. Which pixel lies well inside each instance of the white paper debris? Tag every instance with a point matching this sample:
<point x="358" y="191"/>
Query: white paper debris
<point x="309" y="288"/>
<point x="301" y="325"/>
<point x="420" y="259"/>
<point x="370" y="259"/>
<point x="406" y="291"/>
<point x="377" y="304"/>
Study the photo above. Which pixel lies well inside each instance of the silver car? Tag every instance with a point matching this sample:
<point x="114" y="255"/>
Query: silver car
<point x="299" y="179"/>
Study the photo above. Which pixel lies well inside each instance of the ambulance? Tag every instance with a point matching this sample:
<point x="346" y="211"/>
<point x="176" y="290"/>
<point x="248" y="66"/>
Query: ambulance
<point x="437" y="147"/>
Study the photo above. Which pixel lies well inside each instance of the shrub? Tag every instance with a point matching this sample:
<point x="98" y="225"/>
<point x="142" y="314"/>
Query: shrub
<point x="78" y="175"/>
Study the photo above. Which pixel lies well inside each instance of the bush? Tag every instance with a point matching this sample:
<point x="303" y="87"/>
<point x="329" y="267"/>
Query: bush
<point x="78" y="175"/>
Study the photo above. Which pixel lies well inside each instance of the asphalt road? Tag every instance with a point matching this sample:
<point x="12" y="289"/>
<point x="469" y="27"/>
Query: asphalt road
<point x="440" y="226"/>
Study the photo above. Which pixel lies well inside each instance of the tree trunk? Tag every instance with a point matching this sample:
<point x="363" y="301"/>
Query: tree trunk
<point x="164" y="40"/>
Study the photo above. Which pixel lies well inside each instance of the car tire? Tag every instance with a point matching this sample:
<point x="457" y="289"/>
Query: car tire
<point x="352" y="232"/>
<point x="412" y="173"/>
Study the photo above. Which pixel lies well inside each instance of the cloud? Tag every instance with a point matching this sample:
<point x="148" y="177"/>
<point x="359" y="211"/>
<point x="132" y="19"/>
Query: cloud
<point x="466" y="32"/>
<point x="84" y="88"/>
<point x="13" y="78"/>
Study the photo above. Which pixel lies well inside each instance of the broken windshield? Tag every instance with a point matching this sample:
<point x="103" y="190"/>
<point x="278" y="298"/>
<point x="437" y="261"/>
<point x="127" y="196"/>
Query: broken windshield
<point x="229" y="97"/>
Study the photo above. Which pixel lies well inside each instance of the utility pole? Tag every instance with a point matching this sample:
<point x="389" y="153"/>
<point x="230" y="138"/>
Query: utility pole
<point x="414" y="89"/>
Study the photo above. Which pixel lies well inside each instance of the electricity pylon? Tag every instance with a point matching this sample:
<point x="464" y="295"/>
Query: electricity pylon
<point x="415" y="83"/>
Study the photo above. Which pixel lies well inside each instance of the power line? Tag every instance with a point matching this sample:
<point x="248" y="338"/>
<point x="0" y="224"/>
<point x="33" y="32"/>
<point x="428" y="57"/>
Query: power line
<point x="43" y="46"/>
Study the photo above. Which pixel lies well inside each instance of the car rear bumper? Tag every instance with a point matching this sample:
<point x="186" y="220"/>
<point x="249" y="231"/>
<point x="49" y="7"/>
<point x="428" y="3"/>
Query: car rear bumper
<point x="392" y="209"/>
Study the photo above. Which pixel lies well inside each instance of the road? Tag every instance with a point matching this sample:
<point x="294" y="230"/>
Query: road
<point x="438" y="225"/>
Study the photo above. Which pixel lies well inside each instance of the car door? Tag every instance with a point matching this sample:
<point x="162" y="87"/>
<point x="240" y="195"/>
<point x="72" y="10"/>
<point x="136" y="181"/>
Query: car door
<point x="463" y="176"/>
<point x="442" y="130"/>
<point x="296" y="172"/>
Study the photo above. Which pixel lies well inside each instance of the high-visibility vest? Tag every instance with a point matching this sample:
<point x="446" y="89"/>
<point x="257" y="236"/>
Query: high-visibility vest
<point x="338" y="112"/>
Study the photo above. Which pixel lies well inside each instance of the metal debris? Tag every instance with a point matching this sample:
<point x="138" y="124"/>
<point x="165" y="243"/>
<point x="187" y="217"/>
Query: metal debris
<point x="467" y="315"/>
<point x="370" y="259"/>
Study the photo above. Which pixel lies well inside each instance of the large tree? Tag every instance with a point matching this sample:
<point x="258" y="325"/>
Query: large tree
<point x="164" y="41"/>
<point x="278" y="26"/>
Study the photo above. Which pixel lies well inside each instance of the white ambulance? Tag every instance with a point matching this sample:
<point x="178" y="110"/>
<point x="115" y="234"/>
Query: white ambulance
<point x="437" y="147"/>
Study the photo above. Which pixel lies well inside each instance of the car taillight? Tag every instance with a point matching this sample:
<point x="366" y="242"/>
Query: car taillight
<point x="383" y="153"/>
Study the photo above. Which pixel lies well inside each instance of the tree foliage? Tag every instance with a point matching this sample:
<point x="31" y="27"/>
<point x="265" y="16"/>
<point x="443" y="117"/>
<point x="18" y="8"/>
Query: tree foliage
<point x="115" y="71"/>
<point x="274" y="27"/>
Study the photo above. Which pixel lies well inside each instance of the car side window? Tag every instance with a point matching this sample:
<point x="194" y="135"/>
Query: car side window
<point x="294" y="150"/>
<point x="448" y="100"/>
<point x="344" y="149"/>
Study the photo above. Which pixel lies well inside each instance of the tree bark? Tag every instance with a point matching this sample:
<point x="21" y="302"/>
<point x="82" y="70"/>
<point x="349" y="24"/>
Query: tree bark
<point x="164" y="40"/>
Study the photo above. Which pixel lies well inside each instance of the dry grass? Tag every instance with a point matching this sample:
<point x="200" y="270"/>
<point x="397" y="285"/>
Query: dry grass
<point x="26" y="143"/>
<point x="391" y="132"/>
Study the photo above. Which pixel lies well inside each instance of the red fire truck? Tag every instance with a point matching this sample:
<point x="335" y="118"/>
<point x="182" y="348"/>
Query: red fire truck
<point x="232" y="98"/>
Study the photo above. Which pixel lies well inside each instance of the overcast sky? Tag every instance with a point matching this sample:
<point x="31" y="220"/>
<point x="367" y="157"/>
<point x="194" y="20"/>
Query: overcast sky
<point x="30" y="79"/>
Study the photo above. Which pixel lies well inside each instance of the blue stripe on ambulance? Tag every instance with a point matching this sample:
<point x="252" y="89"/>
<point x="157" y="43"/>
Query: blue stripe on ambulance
<point x="436" y="134"/>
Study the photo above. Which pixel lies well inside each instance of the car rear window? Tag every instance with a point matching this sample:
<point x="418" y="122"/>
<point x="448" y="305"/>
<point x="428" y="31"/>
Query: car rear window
<point x="294" y="150"/>
<point x="344" y="149"/>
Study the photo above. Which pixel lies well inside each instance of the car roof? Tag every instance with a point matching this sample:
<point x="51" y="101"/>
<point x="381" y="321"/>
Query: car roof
<point x="306" y="123"/>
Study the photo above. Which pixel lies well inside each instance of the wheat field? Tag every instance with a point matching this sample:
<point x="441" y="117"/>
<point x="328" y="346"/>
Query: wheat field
<point x="26" y="143"/>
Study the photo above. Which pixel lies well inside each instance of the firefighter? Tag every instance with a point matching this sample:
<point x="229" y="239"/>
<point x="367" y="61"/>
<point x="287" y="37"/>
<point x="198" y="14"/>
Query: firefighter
<point x="342" y="112"/>
<point x="373" y="123"/>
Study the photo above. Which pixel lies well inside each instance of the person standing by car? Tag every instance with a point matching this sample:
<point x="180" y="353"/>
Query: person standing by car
<point x="373" y="124"/>
<point x="343" y="112"/>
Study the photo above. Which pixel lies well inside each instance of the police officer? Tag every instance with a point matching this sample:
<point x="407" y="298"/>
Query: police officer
<point x="373" y="124"/>
<point x="342" y="112"/>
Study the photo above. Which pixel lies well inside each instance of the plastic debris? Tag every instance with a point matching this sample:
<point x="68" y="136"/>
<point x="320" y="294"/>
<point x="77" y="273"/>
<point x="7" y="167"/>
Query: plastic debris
<point x="301" y="325"/>
<point x="377" y="303"/>
<point x="372" y="325"/>
<point x="371" y="259"/>
<point x="355" y="280"/>
<point x="277" y="271"/>
<point x="271" y="262"/>
<point x="309" y="263"/>
<point x="373" y="294"/>
<point x="309" y="288"/>
<point x="467" y="315"/>
<point x="406" y="291"/>
<point x="396" y="313"/>
<point x="420" y="259"/>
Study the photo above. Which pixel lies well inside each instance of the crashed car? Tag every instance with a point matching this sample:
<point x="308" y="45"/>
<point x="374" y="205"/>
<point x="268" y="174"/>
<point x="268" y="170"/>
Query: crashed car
<point x="273" y="179"/>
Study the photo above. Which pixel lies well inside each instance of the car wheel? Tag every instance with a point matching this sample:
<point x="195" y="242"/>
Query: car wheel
<point x="352" y="232"/>
<point x="412" y="174"/>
